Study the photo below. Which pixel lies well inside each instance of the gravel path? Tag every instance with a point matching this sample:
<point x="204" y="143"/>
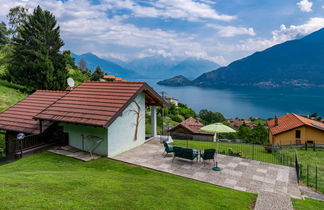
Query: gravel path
<point x="267" y="200"/>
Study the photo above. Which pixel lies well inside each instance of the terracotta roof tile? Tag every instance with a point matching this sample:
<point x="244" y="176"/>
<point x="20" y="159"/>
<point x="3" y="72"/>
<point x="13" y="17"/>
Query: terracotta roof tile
<point x="193" y="126"/>
<point x="96" y="102"/>
<point x="19" y="117"/>
<point x="292" y="121"/>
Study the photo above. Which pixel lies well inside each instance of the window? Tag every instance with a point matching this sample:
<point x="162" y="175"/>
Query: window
<point x="297" y="134"/>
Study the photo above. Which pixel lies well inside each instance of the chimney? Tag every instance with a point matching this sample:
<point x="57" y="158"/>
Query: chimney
<point x="276" y="121"/>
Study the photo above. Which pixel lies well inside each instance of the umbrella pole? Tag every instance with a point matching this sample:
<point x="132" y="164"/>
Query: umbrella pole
<point x="216" y="168"/>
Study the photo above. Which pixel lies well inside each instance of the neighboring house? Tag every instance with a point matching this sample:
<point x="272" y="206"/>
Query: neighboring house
<point x="236" y="123"/>
<point x="190" y="129"/>
<point x="239" y="123"/>
<point x="294" y="129"/>
<point x="105" y="117"/>
<point x="111" y="78"/>
<point x="172" y="100"/>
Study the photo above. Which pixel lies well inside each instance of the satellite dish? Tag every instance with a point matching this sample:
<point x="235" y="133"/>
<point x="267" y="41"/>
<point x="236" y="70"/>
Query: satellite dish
<point x="70" y="82"/>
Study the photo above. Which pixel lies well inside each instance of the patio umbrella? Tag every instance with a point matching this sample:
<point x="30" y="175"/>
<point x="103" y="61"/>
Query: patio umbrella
<point x="217" y="128"/>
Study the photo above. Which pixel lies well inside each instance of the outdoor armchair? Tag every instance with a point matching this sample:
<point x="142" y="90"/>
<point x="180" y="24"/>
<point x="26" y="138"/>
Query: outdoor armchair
<point x="167" y="149"/>
<point x="208" y="154"/>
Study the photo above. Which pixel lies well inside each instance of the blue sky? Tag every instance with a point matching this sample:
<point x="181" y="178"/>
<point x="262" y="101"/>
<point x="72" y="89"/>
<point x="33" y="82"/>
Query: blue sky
<point x="217" y="30"/>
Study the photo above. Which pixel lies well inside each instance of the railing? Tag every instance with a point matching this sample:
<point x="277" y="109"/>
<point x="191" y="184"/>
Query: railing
<point x="275" y="155"/>
<point x="33" y="141"/>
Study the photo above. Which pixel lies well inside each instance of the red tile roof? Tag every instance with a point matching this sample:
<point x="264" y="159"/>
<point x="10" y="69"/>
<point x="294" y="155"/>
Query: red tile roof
<point x="292" y="121"/>
<point x="19" y="117"/>
<point x="193" y="126"/>
<point x="98" y="103"/>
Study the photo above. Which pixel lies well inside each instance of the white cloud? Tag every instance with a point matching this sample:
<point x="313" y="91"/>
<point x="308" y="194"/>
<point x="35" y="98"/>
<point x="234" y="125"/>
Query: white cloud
<point x="284" y="33"/>
<point x="305" y="5"/>
<point x="179" y="9"/>
<point x="87" y="28"/>
<point x="230" y="31"/>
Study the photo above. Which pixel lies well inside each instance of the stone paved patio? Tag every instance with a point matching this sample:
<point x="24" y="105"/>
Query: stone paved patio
<point x="240" y="174"/>
<point x="74" y="153"/>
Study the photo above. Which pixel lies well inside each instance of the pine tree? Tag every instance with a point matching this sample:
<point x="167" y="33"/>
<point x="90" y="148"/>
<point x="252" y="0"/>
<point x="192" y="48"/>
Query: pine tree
<point x="97" y="74"/>
<point x="3" y="33"/>
<point x="37" y="61"/>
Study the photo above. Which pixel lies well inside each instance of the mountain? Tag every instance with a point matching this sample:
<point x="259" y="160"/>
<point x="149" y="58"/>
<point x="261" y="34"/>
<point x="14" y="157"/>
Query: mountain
<point x="107" y="66"/>
<point x="176" y="81"/>
<point x="193" y="67"/>
<point x="298" y="62"/>
<point x="165" y="67"/>
<point x="153" y="66"/>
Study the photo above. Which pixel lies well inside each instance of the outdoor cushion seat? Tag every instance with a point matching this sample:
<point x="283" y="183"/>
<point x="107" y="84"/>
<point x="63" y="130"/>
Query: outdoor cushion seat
<point x="208" y="154"/>
<point x="185" y="153"/>
<point x="167" y="149"/>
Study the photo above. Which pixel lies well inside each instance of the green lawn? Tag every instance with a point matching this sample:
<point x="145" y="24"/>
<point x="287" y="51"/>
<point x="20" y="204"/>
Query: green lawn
<point x="9" y="96"/>
<point x="312" y="159"/>
<point x="51" y="181"/>
<point x="307" y="204"/>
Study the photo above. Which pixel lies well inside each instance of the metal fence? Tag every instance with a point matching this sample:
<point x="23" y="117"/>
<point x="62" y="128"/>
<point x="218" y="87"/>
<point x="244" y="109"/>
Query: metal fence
<point x="275" y="155"/>
<point x="312" y="176"/>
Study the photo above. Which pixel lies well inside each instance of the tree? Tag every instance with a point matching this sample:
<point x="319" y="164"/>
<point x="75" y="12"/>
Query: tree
<point x="16" y="18"/>
<point x="69" y="59"/>
<point x="97" y="74"/>
<point x="3" y="33"/>
<point x="82" y="64"/>
<point x="37" y="61"/>
<point x="209" y="117"/>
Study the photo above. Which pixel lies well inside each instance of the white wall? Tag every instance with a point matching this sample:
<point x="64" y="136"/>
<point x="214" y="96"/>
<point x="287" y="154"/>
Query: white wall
<point x="121" y="131"/>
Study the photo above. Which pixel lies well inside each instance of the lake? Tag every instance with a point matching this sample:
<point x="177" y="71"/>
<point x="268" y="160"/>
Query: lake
<point x="248" y="101"/>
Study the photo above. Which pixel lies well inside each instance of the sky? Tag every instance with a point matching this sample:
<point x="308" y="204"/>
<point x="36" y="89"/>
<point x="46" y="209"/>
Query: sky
<point x="218" y="30"/>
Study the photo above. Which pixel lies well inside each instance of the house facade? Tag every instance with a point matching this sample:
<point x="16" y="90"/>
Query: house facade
<point x="105" y="118"/>
<point x="293" y="129"/>
<point x="191" y="129"/>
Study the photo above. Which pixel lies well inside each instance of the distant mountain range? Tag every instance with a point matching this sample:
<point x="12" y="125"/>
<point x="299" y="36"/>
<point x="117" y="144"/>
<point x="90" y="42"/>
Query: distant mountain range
<point x="108" y="67"/>
<point x="157" y="67"/>
<point x="298" y="62"/>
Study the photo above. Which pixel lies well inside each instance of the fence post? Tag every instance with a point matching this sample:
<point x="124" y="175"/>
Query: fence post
<point x="316" y="178"/>
<point x="253" y="151"/>
<point x="307" y="175"/>
<point x="314" y="146"/>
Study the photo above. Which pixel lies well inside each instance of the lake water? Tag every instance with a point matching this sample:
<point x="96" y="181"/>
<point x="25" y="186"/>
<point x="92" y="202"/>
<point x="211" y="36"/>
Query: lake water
<point x="247" y="102"/>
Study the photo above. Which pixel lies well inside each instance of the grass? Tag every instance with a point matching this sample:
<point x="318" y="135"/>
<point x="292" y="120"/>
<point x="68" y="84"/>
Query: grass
<point x="312" y="159"/>
<point x="307" y="204"/>
<point x="9" y="96"/>
<point x="46" y="181"/>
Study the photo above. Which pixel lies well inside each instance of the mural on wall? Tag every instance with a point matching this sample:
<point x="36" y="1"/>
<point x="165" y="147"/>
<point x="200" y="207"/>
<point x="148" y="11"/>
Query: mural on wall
<point x="137" y="111"/>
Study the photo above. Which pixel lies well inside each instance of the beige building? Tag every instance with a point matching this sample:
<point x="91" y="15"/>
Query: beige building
<point x="294" y="129"/>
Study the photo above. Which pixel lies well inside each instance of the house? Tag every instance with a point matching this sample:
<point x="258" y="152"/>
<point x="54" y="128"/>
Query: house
<point x="190" y="129"/>
<point x="104" y="117"/>
<point x="295" y="129"/>
<point x="238" y="123"/>
<point x="172" y="100"/>
<point x="111" y="78"/>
